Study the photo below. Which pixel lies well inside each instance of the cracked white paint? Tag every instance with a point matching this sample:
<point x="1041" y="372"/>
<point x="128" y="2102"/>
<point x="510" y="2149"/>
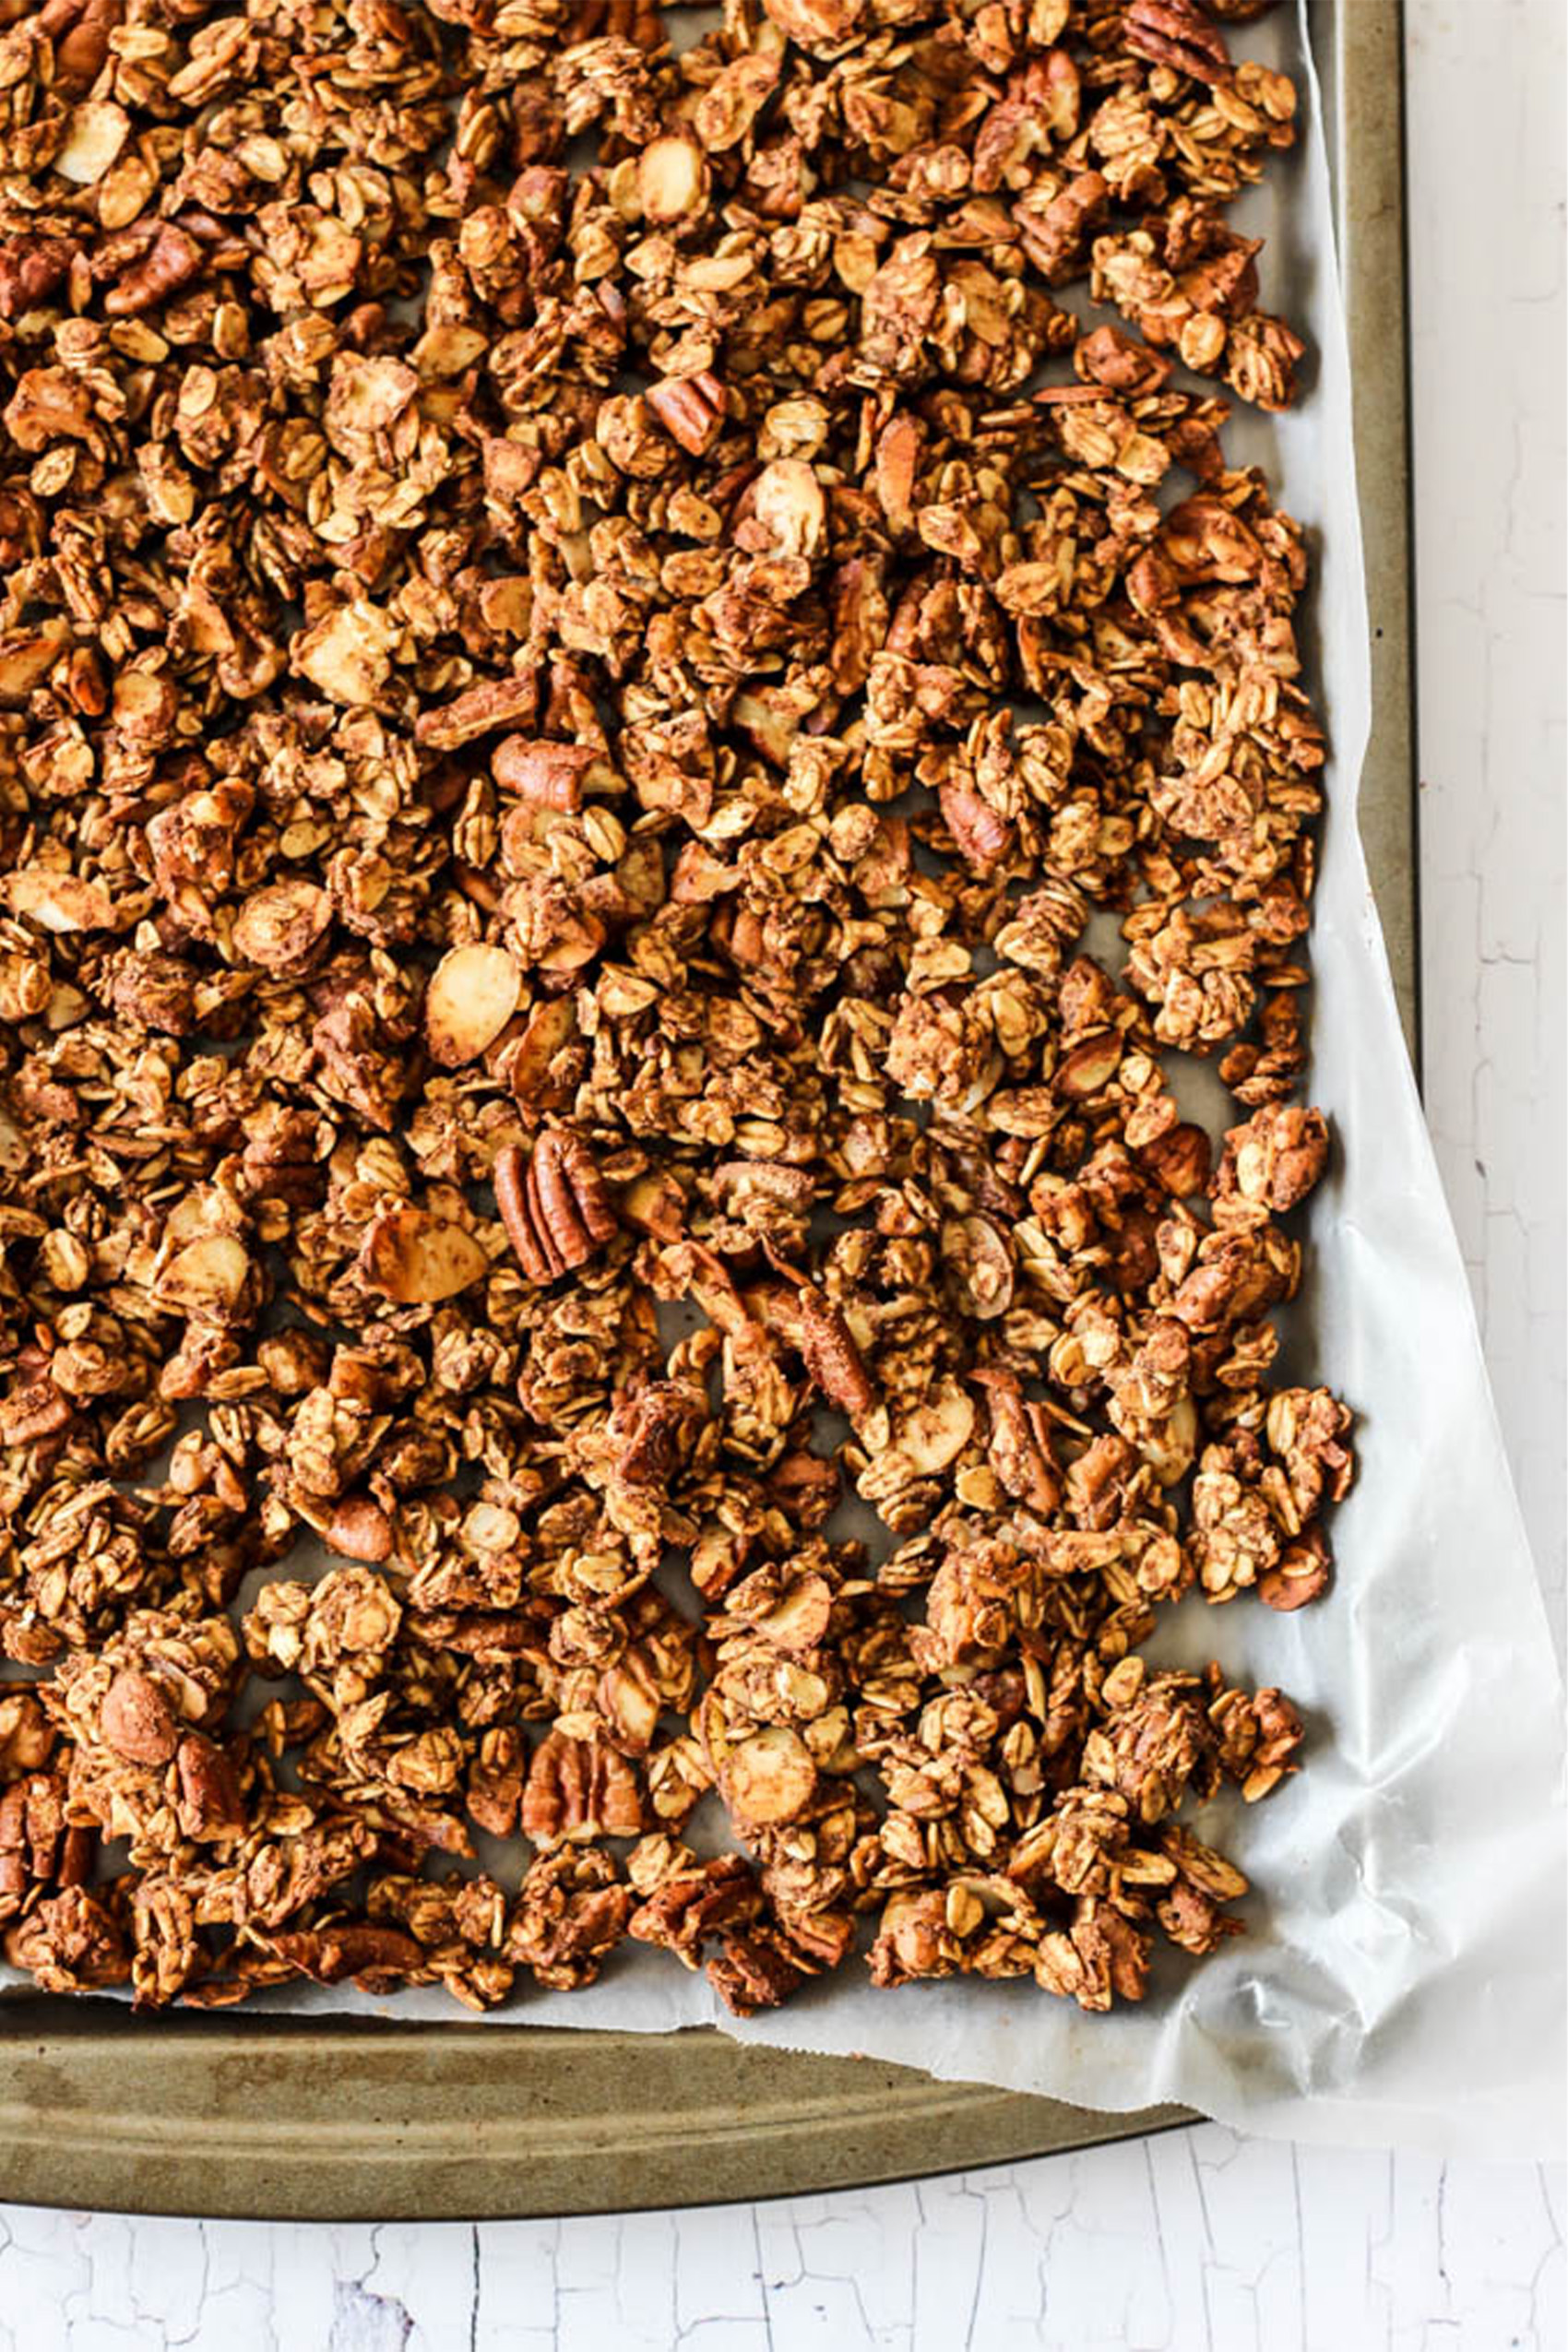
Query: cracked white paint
<point x="1486" y="227"/>
<point x="1199" y="2239"/>
<point x="1202" y="2239"/>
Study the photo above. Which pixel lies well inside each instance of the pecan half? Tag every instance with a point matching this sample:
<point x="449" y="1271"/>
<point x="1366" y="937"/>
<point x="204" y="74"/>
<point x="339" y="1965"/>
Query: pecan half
<point x="578" y="1789"/>
<point x="1175" y="32"/>
<point x="171" y="262"/>
<point x="31" y="269"/>
<point x="554" y="1205"/>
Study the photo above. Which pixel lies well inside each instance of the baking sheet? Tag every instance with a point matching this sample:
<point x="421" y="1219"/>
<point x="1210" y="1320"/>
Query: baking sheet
<point x="1402" y="1977"/>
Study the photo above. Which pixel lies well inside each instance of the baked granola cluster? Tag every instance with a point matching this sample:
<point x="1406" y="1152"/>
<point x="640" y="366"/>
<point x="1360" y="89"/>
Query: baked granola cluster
<point x="584" y="638"/>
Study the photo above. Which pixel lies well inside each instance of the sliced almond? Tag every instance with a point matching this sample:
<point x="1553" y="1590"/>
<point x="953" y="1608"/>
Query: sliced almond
<point x="897" y="458"/>
<point x="730" y="103"/>
<point x="800" y="1620"/>
<point x="447" y="351"/>
<point x="1087" y="1067"/>
<point x="415" y="1259"/>
<point x="1170" y="1445"/>
<point x="61" y="902"/>
<point x="28" y="657"/>
<point x="278" y="927"/>
<point x="802" y="1691"/>
<point x="207" y="1277"/>
<point x="551" y="1026"/>
<point x="473" y="994"/>
<point x="936" y="1432"/>
<point x="630" y="1702"/>
<point x="769" y="1777"/>
<point x="979" y="1265"/>
<point x="672" y="180"/>
<point x="97" y="131"/>
<point x="190" y="1219"/>
<point x="145" y="702"/>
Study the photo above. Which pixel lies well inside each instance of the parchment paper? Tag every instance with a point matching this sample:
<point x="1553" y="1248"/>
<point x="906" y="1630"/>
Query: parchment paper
<point x="1402" y="1979"/>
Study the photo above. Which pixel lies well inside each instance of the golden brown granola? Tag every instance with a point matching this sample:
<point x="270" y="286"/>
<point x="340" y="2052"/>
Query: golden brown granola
<point x="584" y="638"/>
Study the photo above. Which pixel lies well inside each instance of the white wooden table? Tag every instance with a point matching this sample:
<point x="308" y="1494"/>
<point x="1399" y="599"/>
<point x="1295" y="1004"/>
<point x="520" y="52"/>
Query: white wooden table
<point x="1199" y="2239"/>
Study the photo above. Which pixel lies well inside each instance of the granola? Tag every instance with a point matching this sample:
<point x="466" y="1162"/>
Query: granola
<point x="586" y="633"/>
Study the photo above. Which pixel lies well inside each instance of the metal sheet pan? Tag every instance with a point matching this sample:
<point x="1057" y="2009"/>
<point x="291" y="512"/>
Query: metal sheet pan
<point x="294" y="2119"/>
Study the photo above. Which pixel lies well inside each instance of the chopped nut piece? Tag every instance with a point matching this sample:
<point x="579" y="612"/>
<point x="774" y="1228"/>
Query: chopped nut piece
<point x="788" y="506"/>
<point x="136" y="1720"/>
<point x="571" y="1910"/>
<point x="359" y="1529"/>
<point x="31" y="269"/>
<point x="753" y="1973"/>
<point x="691" y="408"/>
<point x="545" y="775"/>
<point x="209" y="1805"/>
<point x="347" y="654"/>
<point x="498" y="702"/>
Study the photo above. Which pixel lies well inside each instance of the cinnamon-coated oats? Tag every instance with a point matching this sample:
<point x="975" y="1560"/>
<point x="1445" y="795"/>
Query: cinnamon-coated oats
<point x="584" y="635"/>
